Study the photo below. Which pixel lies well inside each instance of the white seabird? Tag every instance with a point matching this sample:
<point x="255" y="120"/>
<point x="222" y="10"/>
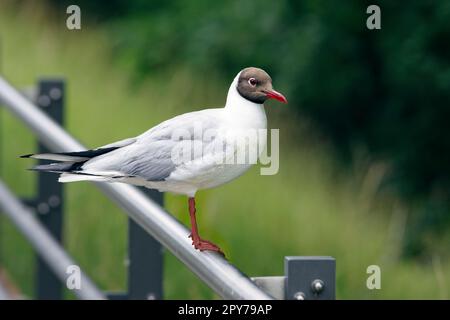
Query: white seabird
<point x="157" y="158"/>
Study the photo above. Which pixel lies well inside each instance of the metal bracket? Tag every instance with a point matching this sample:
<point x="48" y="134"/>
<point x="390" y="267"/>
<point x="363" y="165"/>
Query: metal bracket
<point x="310" y="278"/>
<point x="306" y="278"/>
<point x="271" y="285"/>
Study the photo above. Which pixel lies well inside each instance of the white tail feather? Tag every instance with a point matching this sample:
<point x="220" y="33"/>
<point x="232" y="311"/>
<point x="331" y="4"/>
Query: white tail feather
<point x="69" y="177"/>
<point x="58" y="157"/>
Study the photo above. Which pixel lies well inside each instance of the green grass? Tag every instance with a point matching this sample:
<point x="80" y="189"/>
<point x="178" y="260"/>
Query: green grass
<point x="309" y="208"/>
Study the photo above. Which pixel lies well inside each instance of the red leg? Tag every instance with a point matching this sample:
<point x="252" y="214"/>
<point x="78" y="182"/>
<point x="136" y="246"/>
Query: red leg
<point x="198" y="242"/>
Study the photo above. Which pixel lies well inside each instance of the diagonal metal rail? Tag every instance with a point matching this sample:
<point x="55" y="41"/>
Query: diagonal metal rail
<point x="215" y="271"/>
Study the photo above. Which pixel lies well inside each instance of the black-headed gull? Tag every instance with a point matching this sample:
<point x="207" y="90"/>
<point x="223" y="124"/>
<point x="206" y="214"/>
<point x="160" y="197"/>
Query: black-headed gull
<point x="153" y="159"/>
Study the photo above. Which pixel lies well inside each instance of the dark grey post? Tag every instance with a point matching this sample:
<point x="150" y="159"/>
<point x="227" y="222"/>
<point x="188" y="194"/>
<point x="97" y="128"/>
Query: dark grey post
<point x="145" y="256"/>
<point x="310" y="278"/>
<point x="50" y="192"/>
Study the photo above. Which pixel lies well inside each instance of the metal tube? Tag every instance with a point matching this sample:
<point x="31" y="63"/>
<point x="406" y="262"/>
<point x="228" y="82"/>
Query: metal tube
<point x="4" y="294"/>
<point x="214" y="270"/>
<point x="43" y="242"/>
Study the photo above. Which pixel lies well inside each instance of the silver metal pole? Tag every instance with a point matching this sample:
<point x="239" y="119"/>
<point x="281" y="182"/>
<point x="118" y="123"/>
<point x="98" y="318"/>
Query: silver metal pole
<point x="215" y="271"/>
<point x="43" y="242"/>
<point x="4" y="294"/>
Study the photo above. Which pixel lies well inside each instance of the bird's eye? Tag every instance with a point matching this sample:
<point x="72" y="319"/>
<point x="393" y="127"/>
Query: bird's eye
<point x="252" y="81"/>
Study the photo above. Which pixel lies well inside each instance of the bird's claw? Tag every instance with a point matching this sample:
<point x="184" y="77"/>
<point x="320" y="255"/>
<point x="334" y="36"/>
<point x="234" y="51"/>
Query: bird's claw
<point x="205" y="245"/>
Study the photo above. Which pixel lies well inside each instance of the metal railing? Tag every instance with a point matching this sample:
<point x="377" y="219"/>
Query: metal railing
<point x="43" y="243"/>
<point x="213" y="269"/>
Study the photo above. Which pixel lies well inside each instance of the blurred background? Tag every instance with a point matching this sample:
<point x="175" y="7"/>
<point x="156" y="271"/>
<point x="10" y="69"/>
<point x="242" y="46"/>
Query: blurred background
<point x="365" y="140"/>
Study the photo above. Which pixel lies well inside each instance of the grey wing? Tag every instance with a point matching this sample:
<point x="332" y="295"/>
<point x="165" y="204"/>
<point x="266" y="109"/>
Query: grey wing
<point x="119" y="144"/>
<point x="150" y="156"/>
<point x="190" y="123"/>
<point x="152" y="162"/>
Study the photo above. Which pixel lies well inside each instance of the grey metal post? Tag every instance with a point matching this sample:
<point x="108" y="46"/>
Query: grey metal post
<point x="49" y="201"/>
<point x="310" y="278"/>
<point x="145" y="255"/>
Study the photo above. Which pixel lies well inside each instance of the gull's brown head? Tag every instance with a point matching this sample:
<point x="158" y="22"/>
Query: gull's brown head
<point x="255" y="85"/>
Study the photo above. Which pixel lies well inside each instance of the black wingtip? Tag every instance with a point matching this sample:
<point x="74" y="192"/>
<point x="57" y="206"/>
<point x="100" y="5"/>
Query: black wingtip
<point x="27" y="155"/>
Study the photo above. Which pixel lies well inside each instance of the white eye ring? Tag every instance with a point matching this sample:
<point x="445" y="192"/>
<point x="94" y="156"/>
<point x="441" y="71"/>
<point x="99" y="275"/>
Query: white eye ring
<point x="252" y="82"/>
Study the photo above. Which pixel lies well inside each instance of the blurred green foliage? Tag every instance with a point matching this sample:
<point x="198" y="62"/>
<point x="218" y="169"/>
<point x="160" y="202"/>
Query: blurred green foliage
<point x="386" y="91"/>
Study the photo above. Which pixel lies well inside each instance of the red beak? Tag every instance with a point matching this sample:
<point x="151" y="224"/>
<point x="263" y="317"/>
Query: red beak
<point x="272" y="94"/>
